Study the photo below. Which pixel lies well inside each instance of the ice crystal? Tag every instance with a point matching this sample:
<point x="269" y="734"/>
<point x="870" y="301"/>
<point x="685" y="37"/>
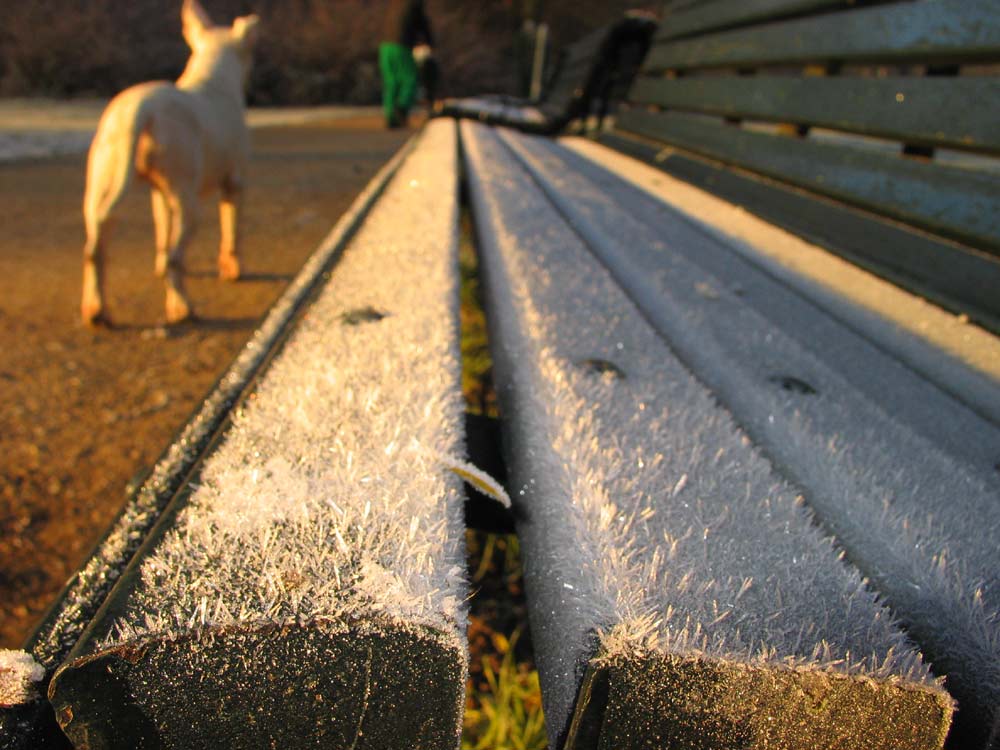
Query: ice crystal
<point x="18" y="674"/>
<point x="676" y="534"/>
<point x="313" y="506"/>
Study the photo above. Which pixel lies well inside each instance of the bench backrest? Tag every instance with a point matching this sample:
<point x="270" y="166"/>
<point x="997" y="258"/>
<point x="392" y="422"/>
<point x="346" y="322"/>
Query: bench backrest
<point x="891" y="107"/>
<point x="590" y="68"/>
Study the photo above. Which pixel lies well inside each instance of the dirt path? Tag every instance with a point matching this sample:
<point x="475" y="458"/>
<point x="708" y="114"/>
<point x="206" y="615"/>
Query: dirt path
<point x="81" y="412"/>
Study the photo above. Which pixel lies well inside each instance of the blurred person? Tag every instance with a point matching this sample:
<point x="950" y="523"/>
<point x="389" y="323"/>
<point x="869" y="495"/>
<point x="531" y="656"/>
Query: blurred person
<point x="406" y="26"/>
<point x="429" y="75"/>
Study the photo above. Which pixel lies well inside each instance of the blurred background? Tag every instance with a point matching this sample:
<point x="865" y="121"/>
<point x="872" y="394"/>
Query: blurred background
<point x="311" y="52"/>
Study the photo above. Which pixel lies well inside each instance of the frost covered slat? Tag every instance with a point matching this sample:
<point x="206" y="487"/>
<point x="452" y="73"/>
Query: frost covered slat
<point x="31" y="725"/>
<point x="307" y="586"/>
<point x="679" y="593"/>
<point x="513" y="112"/>
<point x="899" y="471"/>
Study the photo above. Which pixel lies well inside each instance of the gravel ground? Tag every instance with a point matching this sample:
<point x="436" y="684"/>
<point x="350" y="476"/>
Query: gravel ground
<point x="82" y="411"/>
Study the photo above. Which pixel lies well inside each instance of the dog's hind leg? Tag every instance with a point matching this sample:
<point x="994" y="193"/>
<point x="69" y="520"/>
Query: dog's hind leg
<point x="229" y="218"/>
<point x="184" y="212"/>
<point x="109" y="171"/>
<point x="105" y="186"/>
<point x="162" y="224"/>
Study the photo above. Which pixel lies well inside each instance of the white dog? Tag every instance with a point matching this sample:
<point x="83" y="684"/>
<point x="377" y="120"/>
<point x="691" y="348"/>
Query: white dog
<point x="186" y="140"/>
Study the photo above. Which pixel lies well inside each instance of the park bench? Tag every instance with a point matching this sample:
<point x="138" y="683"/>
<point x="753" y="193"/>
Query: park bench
<point x="592" y="73"/>
<point x="756" y="487"/>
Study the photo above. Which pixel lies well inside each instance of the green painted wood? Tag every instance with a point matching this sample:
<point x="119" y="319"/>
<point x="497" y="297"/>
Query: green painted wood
<point x="672" y="6"/>
<point x="589" y="45"/>
<point x="323" y="683"/>
<point x="579" y="82"/>
<point x="729" y="13"/>
<point x="952" y="275"/>
<point x="577" y="67"/>
<point x="669" y="701"/>
<point x="914" y="110"/>
<point x="960" y="203"/>
<point x="926" y="31"/>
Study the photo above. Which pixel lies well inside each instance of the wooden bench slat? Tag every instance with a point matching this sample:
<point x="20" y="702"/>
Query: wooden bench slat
<point x="486" y="109"/>
<point x="951" y="275"/>
<point x="913" y="110"/>
<point x="594" y="399"/>
<point x="924" y="31"/>
<point x="724" y="13"/>
<point x="959" y="358"/>
<point x="850" y="447"/>
<point x="309" y="579"/>
<point x="86" y="590"/>
<point x="84" y="593"/>
<point x="960" y="203"/>
<point x="673" y="6"/>
<point x="583" y="50"/>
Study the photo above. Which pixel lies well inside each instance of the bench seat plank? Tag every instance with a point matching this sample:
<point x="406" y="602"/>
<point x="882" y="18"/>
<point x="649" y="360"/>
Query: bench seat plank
<point x="922" y="31"/>
<point x="954" y="354"/>
<point x="960" y="203"/>
<point x="673" y="579"/>
<point x="34" y="725"/>
<point x="912" y="110"/>
<point x="309" y="580"/>
<point x="917" y="513"/>
<point x="491" y="109"/>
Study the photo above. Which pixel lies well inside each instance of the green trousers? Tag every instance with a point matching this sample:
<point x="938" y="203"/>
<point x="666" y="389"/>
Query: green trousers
<point x="399" y="81"/>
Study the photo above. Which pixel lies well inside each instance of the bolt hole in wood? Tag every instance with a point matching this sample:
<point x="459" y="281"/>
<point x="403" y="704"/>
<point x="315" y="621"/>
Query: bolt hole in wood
<point x="602" y="367"/>
<point x="793" y="384"/>
<point x="362" y="315"/>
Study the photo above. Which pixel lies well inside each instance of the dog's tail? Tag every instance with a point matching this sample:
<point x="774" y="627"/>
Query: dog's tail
<point x="111" y="160"/>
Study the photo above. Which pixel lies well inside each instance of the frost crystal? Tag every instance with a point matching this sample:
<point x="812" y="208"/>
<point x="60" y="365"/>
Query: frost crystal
<point x="312" y="507"/>
<point x="665" y="527"/>
<point x="18" y="674"/>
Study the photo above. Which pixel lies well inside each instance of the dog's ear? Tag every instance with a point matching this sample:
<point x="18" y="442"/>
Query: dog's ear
<point x="245" y="30"/>
<point x="194" y="20"/>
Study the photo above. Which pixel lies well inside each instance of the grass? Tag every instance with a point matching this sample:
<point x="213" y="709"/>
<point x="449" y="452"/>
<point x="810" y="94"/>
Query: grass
<point x="477" y="366"/>
<point x="508" y="715"/>
<point x="503" y="699"/>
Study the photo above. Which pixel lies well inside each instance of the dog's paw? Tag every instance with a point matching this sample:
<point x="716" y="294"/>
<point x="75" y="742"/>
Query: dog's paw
<point x="178" y="309"/>
<point x="92" y="312"/>
<point x="99" y="319"/>
<point x="229" y="269"/>
<point x="176" y="317"/>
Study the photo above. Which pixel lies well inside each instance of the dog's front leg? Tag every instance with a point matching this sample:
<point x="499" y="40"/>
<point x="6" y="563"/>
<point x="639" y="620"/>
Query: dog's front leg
<point x="229" y="218"/>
